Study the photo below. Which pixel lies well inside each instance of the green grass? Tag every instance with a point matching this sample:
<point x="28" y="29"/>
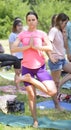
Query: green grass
<point x="52" y="114"/>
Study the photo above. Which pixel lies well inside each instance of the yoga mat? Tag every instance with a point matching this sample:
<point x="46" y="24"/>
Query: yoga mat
<point x="12" y="89"/>
<point x="67" y="85"/>
<point x="24" y="121"/>
<point x="50" y="105"/>
<point x="7" y="75"/>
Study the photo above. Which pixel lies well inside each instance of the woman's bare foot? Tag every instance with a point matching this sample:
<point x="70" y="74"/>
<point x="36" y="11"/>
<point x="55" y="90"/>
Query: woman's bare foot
<point x="35" y="125"/>
<point x="26" y="78"/>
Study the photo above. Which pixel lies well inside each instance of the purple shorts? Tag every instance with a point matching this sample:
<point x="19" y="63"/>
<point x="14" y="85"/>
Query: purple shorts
<point x="41" y="74"/>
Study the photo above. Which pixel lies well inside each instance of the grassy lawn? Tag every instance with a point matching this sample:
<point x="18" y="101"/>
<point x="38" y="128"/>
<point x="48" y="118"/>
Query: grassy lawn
<point x="52" y="114"/>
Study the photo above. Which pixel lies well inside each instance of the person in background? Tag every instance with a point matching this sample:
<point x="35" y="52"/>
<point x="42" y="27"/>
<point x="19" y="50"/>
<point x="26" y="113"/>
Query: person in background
<point x="53" y="20"/>
<point x="67" y="39"/>
<point x="6" y="60"/>
<point x="57" y="40"/>
<point x="34" y="43"/>
<point x="68" y="30"/>
<point x="16" y="29"/>
<point x="64" y="32"/>
<point x="17" y="18"/>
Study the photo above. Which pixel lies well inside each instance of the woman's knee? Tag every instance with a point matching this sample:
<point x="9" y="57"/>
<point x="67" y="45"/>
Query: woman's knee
<point x="51" y="87"/>
<point x="53" y="91"/>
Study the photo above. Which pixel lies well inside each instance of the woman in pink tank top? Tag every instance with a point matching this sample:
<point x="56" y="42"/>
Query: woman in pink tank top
<point x="33" y="63"/>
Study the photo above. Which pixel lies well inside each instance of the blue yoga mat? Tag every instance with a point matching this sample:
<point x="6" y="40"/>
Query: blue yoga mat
<point x="67" y="85"/>
<point x="50" y="105"/>
<point x="25" y="121"/>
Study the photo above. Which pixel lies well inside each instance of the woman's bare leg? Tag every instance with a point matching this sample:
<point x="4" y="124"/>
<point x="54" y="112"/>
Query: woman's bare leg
<point x="39" y="85"/>
<point x="66" y="68"/>
<point x="17" y="74"/>
<point x="56" y="77"/>
<point x="32" y="103"/>
<point x="65" y="79"/>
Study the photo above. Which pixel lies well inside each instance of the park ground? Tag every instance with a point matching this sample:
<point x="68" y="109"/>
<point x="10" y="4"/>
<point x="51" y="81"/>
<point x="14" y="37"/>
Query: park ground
<point x="52" y="114"/>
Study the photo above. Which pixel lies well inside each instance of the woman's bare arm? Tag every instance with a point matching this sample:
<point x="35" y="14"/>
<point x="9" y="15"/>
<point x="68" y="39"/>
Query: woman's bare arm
<point x="15" y="48"/>
<point x="10" y="46"/>
<point x="46" y="47"/>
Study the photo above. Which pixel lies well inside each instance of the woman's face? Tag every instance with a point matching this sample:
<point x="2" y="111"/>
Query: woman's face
<point x="19" y="27"/>
<point x="32" y="21"/>
<point x="63" y="24"/>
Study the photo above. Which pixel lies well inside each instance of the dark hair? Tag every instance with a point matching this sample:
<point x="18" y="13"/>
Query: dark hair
<point x="68" y="18"/>
<point x="15" y="23"/>
<point x="32" y="13"/>
<point x="17" y="18"/>
<point x="53" y="21"/>
<point x="61" y="17"/>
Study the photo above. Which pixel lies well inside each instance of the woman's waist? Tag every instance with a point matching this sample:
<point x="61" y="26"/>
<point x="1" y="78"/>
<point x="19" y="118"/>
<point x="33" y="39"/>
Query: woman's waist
<point x="33" y="63"/>
<point x="59" y="54"/>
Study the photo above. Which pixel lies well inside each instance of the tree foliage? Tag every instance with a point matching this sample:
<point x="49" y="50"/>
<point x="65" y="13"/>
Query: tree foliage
<point x="9" y="9"/>
<point x="47" y="8"/>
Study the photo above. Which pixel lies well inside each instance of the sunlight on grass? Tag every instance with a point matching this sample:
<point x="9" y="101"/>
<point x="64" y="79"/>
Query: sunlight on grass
<point x="11" y="128"/>
<point x="5" y="44"/>
<point x="51" y="114"/>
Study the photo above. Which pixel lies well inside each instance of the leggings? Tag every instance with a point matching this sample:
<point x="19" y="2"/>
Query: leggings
<point x="6" y="59"/>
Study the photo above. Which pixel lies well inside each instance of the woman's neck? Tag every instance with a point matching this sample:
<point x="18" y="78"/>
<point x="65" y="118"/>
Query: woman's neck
<point x="32" y="29"/>
<point x="58" y="28"/>
<point x="18" y="32"/>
